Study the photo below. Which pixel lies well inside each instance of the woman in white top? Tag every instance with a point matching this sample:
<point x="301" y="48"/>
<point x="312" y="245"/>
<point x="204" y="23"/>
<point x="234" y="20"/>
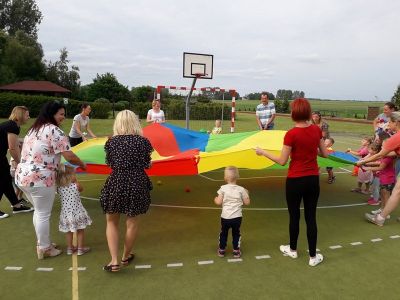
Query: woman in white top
<point x="81" y="121"/>
<point x="155" y="115"/>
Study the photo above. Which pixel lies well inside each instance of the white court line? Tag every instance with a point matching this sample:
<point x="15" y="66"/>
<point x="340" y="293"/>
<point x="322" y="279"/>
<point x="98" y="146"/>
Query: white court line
<point x="356" y="243"/>
<point x="262" y="256"/>
<point x="376" y="240"/>
<point x="44" y="269"/>
<point x="143" y="267"/>
<point x="79" y="269"/>
<point x="174" y="265"/>
<point x="234" y="260"/>
<point x="10" y="268"/>
<point x="335" y="247"/>
<point x="395" y="236"/>
<point x="245" y="208"/>
<point x="205" y="262"/>
<point x="265" y="177"/>
<point x="344" y="169"/>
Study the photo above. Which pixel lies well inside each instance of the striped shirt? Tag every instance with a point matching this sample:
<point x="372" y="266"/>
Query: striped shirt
<point x="265" y="112"/>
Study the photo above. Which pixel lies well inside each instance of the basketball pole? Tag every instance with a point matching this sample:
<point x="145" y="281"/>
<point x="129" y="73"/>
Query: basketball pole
<point x="188" y="101"/>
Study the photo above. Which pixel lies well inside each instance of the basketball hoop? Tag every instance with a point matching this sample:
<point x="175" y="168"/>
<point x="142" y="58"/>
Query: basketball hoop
<point x="199" y="75"/>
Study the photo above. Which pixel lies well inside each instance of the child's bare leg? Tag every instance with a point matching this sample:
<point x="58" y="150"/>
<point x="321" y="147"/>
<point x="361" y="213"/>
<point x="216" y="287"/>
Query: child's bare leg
<point x="69" y="236"/>
<point x="81" y="238"/>
<point x="367" y="187"/>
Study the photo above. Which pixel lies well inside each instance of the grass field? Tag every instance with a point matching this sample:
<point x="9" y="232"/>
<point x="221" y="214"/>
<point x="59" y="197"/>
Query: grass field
<point x="181" y="228"/>
<point x="344" y="109"/>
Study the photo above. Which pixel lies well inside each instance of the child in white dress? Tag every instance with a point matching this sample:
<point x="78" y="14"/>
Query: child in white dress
<point x="73" y="216"/>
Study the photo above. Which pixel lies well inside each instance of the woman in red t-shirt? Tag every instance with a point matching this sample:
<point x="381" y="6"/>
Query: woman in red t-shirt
<point x="391" y="147"/>
<point x="302" y="143"/>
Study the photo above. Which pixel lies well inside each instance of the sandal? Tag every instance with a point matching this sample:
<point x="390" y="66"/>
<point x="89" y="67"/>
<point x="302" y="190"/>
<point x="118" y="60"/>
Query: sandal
<point x="331" y="179"/>
<point x="127" y="260"/>
<point x="111" y="268"/>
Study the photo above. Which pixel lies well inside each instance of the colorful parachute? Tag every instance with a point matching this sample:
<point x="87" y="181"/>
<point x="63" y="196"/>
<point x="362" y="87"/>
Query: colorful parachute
<point x="179" y="151"/>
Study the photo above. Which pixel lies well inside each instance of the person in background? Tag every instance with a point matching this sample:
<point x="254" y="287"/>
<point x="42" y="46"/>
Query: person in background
<point x="13" y="167"/>
<point x="127" y="189"/>
<point x="155" y="115"/>
<point x="218" y="128"/>
<point x="380" y="123"/>
<point x="80" y="126"/>
<point x="303" y="143"/>
<point x="265" y="113"/>
<point x="329" y="141"/>
<point x="9" y="131"/>
<point x="43" y="146"/>
<point x="316" y="119"/>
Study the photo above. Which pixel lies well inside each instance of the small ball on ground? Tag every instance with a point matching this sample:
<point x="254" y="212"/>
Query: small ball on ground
<point x="187" y="189"/>
<point x="159" y="182"/>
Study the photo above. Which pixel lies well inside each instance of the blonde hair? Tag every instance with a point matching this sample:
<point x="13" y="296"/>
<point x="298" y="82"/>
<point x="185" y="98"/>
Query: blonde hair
<point x="395" y="116"/>
<point x="17" y="113"/>
<point x="155" y="101"/>
<point x="64" y="175"/>
<point x="126" y="122"/>
<point x="231" y="173"/>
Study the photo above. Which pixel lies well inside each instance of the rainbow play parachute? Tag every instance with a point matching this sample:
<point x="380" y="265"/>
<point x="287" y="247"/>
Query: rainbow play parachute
<point x="179" y="151"/>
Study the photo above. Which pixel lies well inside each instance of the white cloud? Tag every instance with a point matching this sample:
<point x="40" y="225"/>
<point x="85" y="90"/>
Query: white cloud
<point x="327" y="48"/>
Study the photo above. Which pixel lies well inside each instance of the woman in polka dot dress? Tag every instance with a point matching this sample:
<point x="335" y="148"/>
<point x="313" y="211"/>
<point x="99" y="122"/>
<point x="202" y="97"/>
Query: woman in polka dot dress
<point x="127" y="189"/>
<point x="73" y="216"/>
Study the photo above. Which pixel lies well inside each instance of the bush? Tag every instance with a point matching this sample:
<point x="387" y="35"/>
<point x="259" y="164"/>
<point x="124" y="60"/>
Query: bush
<point x="35" y="102"/>
<point x="100" y="110"/>
<point x="176" y="110"/>
<point x="102" y="100"/>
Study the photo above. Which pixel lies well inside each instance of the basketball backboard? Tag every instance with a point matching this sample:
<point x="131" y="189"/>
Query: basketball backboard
<point x="196" y="65"/>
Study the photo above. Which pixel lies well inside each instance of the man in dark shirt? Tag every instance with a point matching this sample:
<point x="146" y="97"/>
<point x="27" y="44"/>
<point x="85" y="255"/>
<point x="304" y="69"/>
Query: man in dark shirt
<point x="9" y="132"/>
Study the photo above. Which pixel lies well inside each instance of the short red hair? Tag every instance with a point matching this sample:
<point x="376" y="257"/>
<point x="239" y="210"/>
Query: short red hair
<point x="301" y="110"/>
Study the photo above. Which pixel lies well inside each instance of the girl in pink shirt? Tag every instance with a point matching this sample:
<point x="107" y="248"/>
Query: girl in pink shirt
<point x="363" y="175"/>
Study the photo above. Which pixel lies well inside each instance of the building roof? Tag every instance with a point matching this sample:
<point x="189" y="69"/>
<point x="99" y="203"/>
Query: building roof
<point x="34" y="86"/>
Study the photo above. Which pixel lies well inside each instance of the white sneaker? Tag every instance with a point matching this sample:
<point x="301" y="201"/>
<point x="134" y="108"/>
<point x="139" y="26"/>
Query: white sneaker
<point x="285" y="249"/>
<point x="378" y="211"/>
<point x="316" y="260"/>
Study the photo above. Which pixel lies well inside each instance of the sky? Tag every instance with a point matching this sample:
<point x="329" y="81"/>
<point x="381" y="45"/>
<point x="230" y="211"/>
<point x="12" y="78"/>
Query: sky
<point x="330" y="49"/>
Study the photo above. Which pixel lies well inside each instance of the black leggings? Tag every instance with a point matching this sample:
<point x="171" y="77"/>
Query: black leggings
<point x="306" y="188"/>
<point x="6" y="186"/>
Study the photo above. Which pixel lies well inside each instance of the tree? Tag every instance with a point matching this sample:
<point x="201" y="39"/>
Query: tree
<point x="21" y="15"/>
<point x="107" y="86"/>
<point x="59" y="73"/>
<point x="396" y="96"/>
<point x="257" y="96"/>
<point x="144" y="93"/>
<point x="20" y="58"/>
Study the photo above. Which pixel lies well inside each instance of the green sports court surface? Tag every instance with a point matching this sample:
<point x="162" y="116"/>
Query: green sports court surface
<point x="176" y="247"/>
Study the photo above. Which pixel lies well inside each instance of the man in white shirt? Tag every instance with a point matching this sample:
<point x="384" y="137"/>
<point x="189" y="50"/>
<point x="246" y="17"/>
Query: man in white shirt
<point x="265" y="113"/>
